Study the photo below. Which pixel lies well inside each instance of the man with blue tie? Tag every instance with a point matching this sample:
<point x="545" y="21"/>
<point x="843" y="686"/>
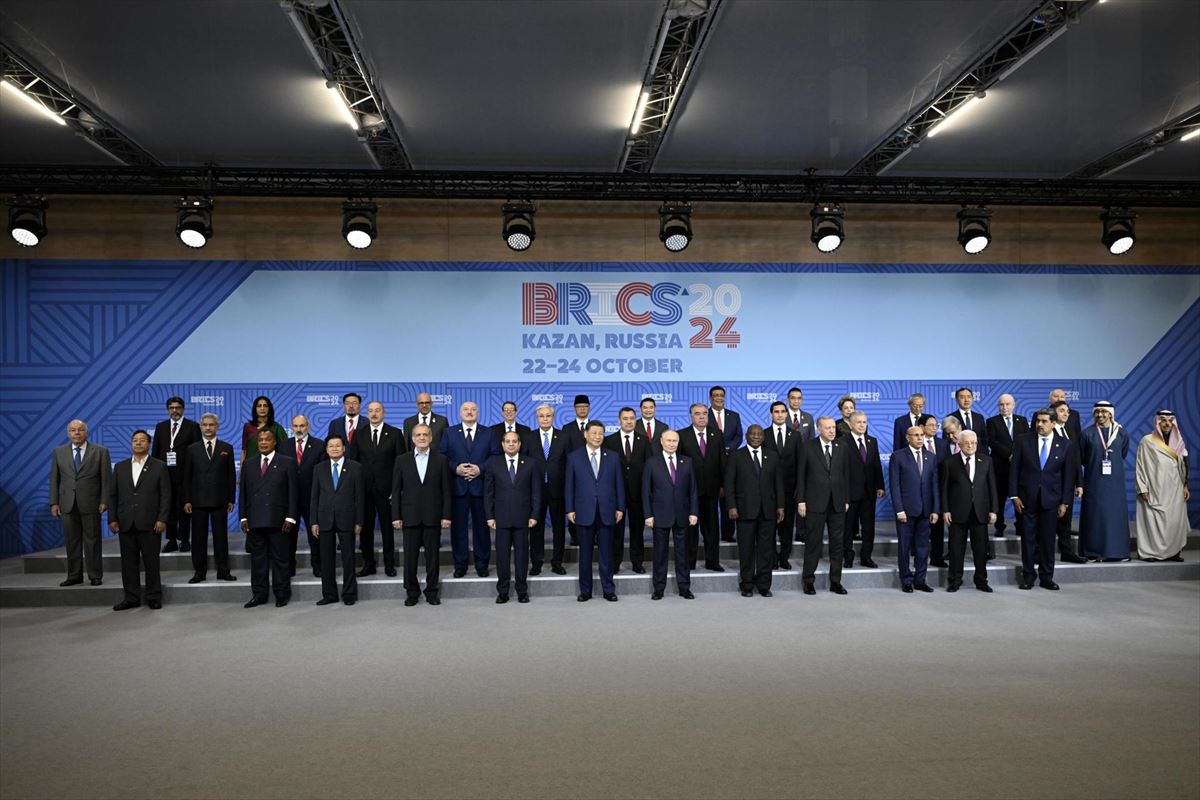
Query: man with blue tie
<point x="469" y="446"/>
<point x="548" y="448"/>
<point x="1041" y="480"/>
<point x="916" y="499"/>
<point x="512" y="489"/>
<point x="80" y="474"/>
<point x="338" y="506"/>
<point x="669" y="497"/>
<point x="595" y="502"/>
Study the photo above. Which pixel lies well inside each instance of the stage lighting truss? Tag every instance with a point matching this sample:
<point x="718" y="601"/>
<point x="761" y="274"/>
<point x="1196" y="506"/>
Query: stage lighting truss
<point x="27" y="220"/>
<point x="359" y="226"/>
<point x="517" y="227"/>
<point x="975" y="229"/>
<point x="193" y="220"/>
<point x="675" y="226"/>
<point x="1117" y="235"/>
<point x="827" y="226"/>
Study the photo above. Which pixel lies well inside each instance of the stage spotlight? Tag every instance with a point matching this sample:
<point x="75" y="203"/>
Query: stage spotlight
<point x="827" y="228"/>
<point x="193" y="221"/>
<point x="27" y="220"/>
<point x="517" y="228"/>
<point x="358" y="223"/>
<point x="675" y="226"/>
<point x="975" y="229"/>
<point x="1118" y="230"/>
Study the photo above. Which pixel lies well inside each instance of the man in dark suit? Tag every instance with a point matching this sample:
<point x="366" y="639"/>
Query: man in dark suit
<point x="209" y="489"/>
<point x="378" y="448"/>
<point x="425" y="416"/>
<point x="594" y="492"/>
<point x="508" y="422"/>
<point x="469" y="446"/>
<point x="800" y="420"/>
<point x="785" y="441"/>
<point x="916" y="499"/>
<point x="1067" y="426"/>
<point x="648" y="425"/>
<point x="1072" y="425"/>
<point x="512" y="489"/>
<point x="866" y="487"/>
<point x="422" y="505"/>
<point x="350" y="424"/>
<point x="729" y="424"/>
<point x="80" y="473"/>
<point x="937" y="449"/>
<point x="754" y="494"/>
<point x="633" y="451"/>
<point x="669" y="497"/>
<point x="969" y="503"/>
<point x="916" y="410"/>
<point x="547" y="447"/>
<point x="267" y="504"/>
<point x="1041" y="480"/>
<point x="308" y="451"/>
<point x="822" y="497"/>
<point x="573" y="431"/>
<point x="172" y="437"/>
<point x="1002" y="430"/>
<point x="140" y="500"/>
<point x="339" y="506"/>
<point x="968" y="418"/>
<point x="706" y="449"/>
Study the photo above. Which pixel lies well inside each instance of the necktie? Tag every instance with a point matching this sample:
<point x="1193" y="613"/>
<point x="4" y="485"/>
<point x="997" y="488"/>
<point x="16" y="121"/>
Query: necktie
<point x="1008" y="424"/>
<point x="628" y="449"/>
<point x="546" y="445"/>
<point x="78" y="459"/>
<point x="862" y="449"/>
<point x="779" y="439"/>
<point x="174" y="430"/>
<point x="375" y="437"/>
<point x="966" y="415"/>
<point x="721" y="421"/>
<point x="335" y="476"/>
<point x="299" y="451"/>
<point x="703" y="444"/>
<point x="757" y="463"/>
<point x="349" y="430"/>
<point x="970" y="472"/>
<point x="512" y="470"/>
<point x="424" y="420"/>
<point x="1045" y="454"/>
<point x="671" y="466"/>
<point x="470" y="435"/>
<point x="796" y="420"/>
<point x="263" y="470"/>
<point x="649" y="434"/>
<point x="582" y="427"/>
<point x="920" y="462"/>
<point x="595" y="464"/>
<point x="209" y="446"/>
<point x="828" y="456"/>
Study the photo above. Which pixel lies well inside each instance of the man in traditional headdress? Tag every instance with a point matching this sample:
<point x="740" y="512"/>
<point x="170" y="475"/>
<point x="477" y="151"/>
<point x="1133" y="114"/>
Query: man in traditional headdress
<point x="1161" y="479"/>
<point x="1103" y="514"/>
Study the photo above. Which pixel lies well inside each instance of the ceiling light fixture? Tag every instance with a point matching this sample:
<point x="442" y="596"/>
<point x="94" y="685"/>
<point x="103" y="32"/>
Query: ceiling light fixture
<point x="343" y="106"/>
<point x="27" y="220"/>
<point x="974" y="229"/>
<point x="675" y="226"/>
<point x="955" y="115"/>
<point x="31" y="101"/>
<point x="359" y="223"/>
<point x="517" y="226"/>
<point x="1117" y="234"/>
<point x="828" y="229"/>
<point x="193" y="221"/>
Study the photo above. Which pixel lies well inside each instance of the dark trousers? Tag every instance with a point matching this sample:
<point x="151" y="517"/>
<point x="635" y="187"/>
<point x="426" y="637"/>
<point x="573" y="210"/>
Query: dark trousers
<point x="977" y="531"/>
<point x="481" y="538"/>
<point x="429" y="539"/>
<point x="537" y="534"/>
<point x="756" y="553"/>
<point x="508" y="540"/>
<point x="201" y="519"/>
<point x="179" y="524"/>
<point x="378" y="508"/>
<point x="664" y="539"/>
<point x="590" y="537"/>
<point x="327" y="544"/>
<point x="814" y="525"/>
<point x="937" y="540"/>
<point x="269" y="554"/>
<point x="786" y="530"/>
<point x="1039" y="530"/>
<point x="860" y="519"/>
<point x="1062" y="530"/>
<point x="710" y="529"/>
<point x="314" y="546"/>
<point x="635" y="520"/>
<point x="728" y="526"/>
<point x="81" y="534"/>
<point x="140" y="546"/>
<point x="913" y="546"/>
<point x="1002" y="467"/>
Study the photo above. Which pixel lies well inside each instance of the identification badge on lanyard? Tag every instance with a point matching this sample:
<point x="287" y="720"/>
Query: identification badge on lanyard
<point x="171" y="458"/>
<point x="1106" y="467"/>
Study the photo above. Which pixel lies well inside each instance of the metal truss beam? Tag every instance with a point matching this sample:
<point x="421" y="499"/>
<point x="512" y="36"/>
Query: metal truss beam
<point x="325" y="30"/>
<point x="1142" y="147"/>
<point x="84" y="119"/>
<point x="214" y="181"/>
<point x="1044" y="23"/>
<point x="681" y="34"/>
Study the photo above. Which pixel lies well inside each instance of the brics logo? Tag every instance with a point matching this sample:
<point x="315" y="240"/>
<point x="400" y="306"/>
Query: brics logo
<point x="637" y="304"/>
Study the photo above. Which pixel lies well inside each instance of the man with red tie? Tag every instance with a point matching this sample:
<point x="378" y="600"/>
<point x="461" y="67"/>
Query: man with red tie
<point x="634" y="450"/>
<point x="729" y="423"/>
<point x="706" y="448"/>
<point x="267" y="504"/>
<point x="648" y="426"/>
<point x="308" y="450"/>
<point x="350" y="424"/>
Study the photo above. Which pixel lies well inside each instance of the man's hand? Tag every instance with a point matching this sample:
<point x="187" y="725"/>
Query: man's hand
<point x="779" y="515"/>
<point x="733" y="513"/>
<point x="802" y="509"/>
<point x="693" y="519"/>
<point x="160" y="527"/>
<point x="114" y="527"/>
<point x="532" y="523"/>
<point x="287" y="526"/>
<point x="396" y="523"/>
<point x="620" y="516"/>
<point x="649" y="522"/>
<point x="933" y="519"/>
<point x="902" y="517"/>
<point x="187" y="508"/>
<point x="570" y="516"/>
<point x="949" y="521"/>
<point x="1079" y="491"/>
<point x="55" y="511"/>
<point x="245" y="526"/>
<point x="357" y="529"/>
<point x="315" y="530"/>
<point x="1062" y="509"/>
<point x="229" y="509"/>
<point x="103" y="507"/>
<point x="445" y="524"/>
<point x="991" y="518"/>
<point x="1143" y="496"/>
<point x="879" y="492"/>
<point x="1018" y="505"/>
<point x="1187" y="494"/>
<point x="492" y="524"/>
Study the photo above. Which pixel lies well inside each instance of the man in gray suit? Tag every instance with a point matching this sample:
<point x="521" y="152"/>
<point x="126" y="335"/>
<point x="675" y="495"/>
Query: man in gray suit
<point x="80" y="473"/>
<point x="140" y="499"/>
<point x="338" y="507"/>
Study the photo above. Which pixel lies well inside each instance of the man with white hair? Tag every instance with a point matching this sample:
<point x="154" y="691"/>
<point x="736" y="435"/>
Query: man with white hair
<point x="1003" y="430"/>
<point x="1103" y="515"/>
<point x="1162" y="491"/>
<point x="969" y="502"/>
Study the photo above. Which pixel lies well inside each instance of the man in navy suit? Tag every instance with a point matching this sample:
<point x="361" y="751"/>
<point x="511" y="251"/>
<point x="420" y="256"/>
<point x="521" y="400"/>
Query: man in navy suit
<point x="350" y="424"/>
<point x="970" y="419"/>
<point x="512" y="489"/>
<point x="469" y="446"/>
<point x="916" y="410"/>
<point x="547" y="447"/>
<point x="669" y="497"/>
<point x="754" y="493"/>
<point x="729" y="423"/>
<point x="339" y="506"/>
<point x="267" y="507"/>
<point x="937" y="449"/>
<point x="1040" y="483"/>
<point x="209" y="489"/>
<point x="308" y="450"/>
<point x="595" y="501"/>
<point x="913" y="483"/>
<point x="822" y="498"/>
<point x="573" y="431"/>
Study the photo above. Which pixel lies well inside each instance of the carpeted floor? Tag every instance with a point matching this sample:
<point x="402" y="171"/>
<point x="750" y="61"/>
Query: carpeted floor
<point x="1092" y="692"/>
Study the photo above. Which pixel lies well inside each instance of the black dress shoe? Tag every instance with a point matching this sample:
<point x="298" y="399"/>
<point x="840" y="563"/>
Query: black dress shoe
<point x="349" y="601"/>
<point x="390" y="572"/>
<point x="1025" y="585"/>
<point x="939" y="562"/>
<point x="984" y="587"/>
<point x="747" y="593"/>
<point x="612" y="598"/>
<point x="411" y="601"/>
<point x="559" y="569"/>
<point x="868" y="563"/>
<point x="185" y="547"/>
<point x="71" y="582"/>
<point x="1072" y="558"/>
<point x="906" y="588"/>
<point x="324" y="601"/>
<point x="365" y="571"/>
<point x="257" y="601"/>
<point x="171" y="546"/>
<point x="155" y="605"/>
<point x="434" y="601"/>
<point x="125" y="605"/>
<point x="316" y="572"/>
<point x="226" y="576"/>
<point x="641" y="570"/>
<point x="584" y="597"/>
<point x="922" y="587"/>
<point x="501" y="599"/>
<point x="280" y="603"/>
<point x="953" y="587"/>
<point x="837" y="588"/>
<point x="95" y="582"/>
<point x="849" y="564"/>
<point x="686" y="594"/>
<point x="1176" y="557"/>
<point x="784" y="564"/>
<point x="766" y="592"/>
<point x="809" y="588"/>
<point x="196" y="579"/>
<point x="483" y="573"/>
<point x="715" y="568"/>
<point x="458" y="573"/>
<point x="536" y="569"/>
<point x="656" y="595"/>
<point x="1046" y="583"/>
<point x="522" y="598"/>
<point x="991" y="557"/>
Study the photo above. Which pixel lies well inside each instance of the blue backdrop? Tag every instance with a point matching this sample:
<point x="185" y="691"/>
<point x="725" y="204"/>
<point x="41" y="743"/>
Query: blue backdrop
<point x="109" y="342"/>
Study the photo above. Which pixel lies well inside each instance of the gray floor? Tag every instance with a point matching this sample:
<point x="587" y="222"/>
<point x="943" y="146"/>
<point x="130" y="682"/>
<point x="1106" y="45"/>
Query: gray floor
<point x="1092" y="692"/>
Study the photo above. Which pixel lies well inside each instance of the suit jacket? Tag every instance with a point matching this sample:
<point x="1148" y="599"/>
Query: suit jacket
<point x="960" y="494"/>
<point x="338" y="425"/>
<point x="1075" y="436"/>
<point x="379" y="461"/>
<point x="436" y="426"/>
<point x="900" y="431"/>
<point x="732" y="434"/>
<point x="595" y="499"/>
<point x="755" y="493"/>
<point x="669" y="503"/>
<point x="522" y="432"/>
<point x="572" y="435"/>
<point x="656" y="431"/>
<point x="1000" y="444"/>
<point x="818" y="485"/>
<point x="866" y="478"/>
<point x="209" y="483"/>
<point x="86" y="489"/>
<point x="1073" y="427"/>
<point x="709" y="467"/>
<point x="481" y="449"/>
<point x="1051" y="486"/>
<point x="789" y="456"/>
<point x="314" y="454"/>
<point x="187" y="435"/>
<point x="140" y="507"/>
<point x="422" y="503"/>
<point x="342" y="508"/>
<point x="915" y="493"/>
<point x="511" y="504"/>
<point x="978" y="424"/>
<point x="266" y="501"/>
<point x="631" y="470"/>
<point x="808" y="428"/>
<point x="553" y="467"/>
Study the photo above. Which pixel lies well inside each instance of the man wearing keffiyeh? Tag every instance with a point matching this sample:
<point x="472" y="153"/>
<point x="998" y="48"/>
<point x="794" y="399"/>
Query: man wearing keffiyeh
<point x="1162" y="491"/>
